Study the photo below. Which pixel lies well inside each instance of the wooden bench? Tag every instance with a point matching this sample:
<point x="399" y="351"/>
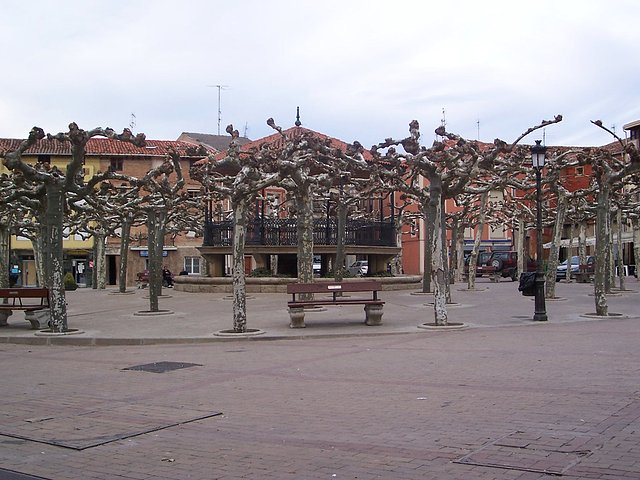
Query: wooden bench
<point x="29" y="299"/>
<point x="142" y="279"/>
<point x="301" y="291"/>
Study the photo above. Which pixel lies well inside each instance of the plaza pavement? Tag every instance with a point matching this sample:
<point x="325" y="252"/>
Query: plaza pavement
<point x="164" y="397"/>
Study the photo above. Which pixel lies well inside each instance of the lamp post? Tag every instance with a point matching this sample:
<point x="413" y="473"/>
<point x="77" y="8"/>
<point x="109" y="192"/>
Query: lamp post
<point x="537" y="159"/>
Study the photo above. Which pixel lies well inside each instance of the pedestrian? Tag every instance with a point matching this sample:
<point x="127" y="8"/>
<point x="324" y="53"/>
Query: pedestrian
<point x="167" y="277"/>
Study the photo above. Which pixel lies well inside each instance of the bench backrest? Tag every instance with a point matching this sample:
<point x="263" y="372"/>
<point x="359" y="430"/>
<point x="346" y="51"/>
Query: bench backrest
<point x="331" y="287"/>
<point x="24" y="292"/>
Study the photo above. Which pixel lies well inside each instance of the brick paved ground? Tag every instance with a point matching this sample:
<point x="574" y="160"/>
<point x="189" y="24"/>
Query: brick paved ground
<point x="509" y="402"/>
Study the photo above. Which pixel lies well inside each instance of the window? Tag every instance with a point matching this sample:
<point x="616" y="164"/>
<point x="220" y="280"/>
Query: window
<point x="192" y="265"/>
<point x="414" y="228"/>
<point x="44" y="158"/>
<point x="116" y="164"/>
<point x="579" y="171"/>
<point x="193" y="193"/>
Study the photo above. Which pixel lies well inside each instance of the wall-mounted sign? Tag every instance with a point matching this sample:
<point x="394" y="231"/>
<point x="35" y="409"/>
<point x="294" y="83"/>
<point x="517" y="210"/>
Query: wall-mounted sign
<point x="145" y="253"/>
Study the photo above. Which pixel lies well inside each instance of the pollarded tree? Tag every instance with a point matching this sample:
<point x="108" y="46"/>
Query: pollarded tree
<point x="610" y="169"/>
<point x="238" y="176"/>
<point x="53" y="185"/>
<point x="160" y="187"/>
<point x="99" y="215"/>
<point x="450" y="167"/>
<point x="308" y="165"/>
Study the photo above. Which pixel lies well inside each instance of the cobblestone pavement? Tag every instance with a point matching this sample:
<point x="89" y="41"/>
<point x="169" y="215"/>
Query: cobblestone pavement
<point x="504" y="399"/>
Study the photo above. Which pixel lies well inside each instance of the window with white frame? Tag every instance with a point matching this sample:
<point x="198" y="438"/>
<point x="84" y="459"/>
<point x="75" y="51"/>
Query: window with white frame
<point x="192" y="265"/>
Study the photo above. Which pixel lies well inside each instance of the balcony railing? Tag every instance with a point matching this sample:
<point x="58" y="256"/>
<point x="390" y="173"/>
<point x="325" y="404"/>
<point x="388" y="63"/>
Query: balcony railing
<point x="284" y="232"/>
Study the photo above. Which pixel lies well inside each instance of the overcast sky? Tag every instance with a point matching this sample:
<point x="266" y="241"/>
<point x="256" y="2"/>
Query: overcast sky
<point x="358" y="70"/>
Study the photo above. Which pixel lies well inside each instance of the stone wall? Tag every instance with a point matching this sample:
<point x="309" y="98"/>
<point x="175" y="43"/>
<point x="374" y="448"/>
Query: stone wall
<point x="199" y="284"/>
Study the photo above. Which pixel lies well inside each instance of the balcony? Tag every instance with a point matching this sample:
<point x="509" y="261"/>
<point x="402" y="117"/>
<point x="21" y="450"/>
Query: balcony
<point x="284" y="233"/>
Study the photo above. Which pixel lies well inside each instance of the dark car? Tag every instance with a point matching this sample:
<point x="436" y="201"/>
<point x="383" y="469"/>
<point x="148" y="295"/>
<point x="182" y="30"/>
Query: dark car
<point x="589" y="267"/>
<point x="483" y="258"/>
<point x="505" y="263"/>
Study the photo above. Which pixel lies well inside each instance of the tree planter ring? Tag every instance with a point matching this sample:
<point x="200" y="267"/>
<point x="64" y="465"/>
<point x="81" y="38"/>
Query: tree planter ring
<point x="149" y="313"/>
<point x="251" y="332"/>
<point x="608" y="315"/>
<point x="450" y="326"/>
<point x="47" y="332"/>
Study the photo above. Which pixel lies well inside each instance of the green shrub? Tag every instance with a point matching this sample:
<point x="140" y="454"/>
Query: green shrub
<point x="381" y="274"/>
<point x="69" y="281"/>
<point x="266" y="272"/>
<point x="345" y="274"/>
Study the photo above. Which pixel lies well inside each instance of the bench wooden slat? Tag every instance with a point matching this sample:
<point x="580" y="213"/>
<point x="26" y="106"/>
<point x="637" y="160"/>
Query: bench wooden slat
<point x="24" y="292"/>
<point x="331" y="287"/>
<point x="339" y="301"/>
<point x="17" y="294"/>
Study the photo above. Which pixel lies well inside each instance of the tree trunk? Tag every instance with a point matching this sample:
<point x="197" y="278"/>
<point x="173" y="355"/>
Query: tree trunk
<point x="5" y="243"/>
<point x="38" y="256"/>
<point x="396" y="265"/>
<point x="570" y="252"/>
<point x="582" y="242"/>
<point x="438" y="270"/>
<point x="460" y="255"/>
<point x="155" y="227"/>
<point x="339" y="266"/>
<point x="554" y="251"/>
<point x="620" y="257"/>
<point x="610" y="279"/>
<point x="240" y="209"/>
<point x="636" y="246"/>
<point x="304" y="204"/>
<point x="429" y="217"/>
<point x="124" y="255"/>
<point x="99" y="260"/>
<point x="602" y="239"/>
<point x="54" y="258"/>
<point x="522" y="254"/>
<point x="473" y="261"/>
<point x="445" y="252"/>
<point x="453" y="264"/>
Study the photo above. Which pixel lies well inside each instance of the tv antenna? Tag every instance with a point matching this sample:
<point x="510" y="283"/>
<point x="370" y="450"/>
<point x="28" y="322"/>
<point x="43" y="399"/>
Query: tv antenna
<point x="132" y="123"/>
<point x="220" y="88"/>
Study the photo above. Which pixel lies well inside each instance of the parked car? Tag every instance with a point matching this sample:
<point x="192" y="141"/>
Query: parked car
<point x="483" y="257"/>
<point x="505" y="263"/>
<point x="359" y="268"/>
<point x="561" y="271"/>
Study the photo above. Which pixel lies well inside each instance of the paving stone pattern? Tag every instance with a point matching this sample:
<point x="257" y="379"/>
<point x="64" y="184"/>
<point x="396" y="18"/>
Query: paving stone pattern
<point x="508" y="402"/>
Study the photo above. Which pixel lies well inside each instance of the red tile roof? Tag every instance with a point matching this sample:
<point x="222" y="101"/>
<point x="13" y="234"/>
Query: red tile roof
<point x="104" y="147"/>
<point x="277" y="141"/>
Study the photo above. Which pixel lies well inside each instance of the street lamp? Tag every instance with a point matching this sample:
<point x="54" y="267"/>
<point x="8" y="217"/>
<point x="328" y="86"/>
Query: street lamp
<point x="537" y="159"/>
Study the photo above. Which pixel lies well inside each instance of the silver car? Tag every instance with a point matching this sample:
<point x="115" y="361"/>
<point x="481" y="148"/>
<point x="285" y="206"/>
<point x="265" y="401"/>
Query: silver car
<point x="359" y="268"/>
<point x="561" y="272"/>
